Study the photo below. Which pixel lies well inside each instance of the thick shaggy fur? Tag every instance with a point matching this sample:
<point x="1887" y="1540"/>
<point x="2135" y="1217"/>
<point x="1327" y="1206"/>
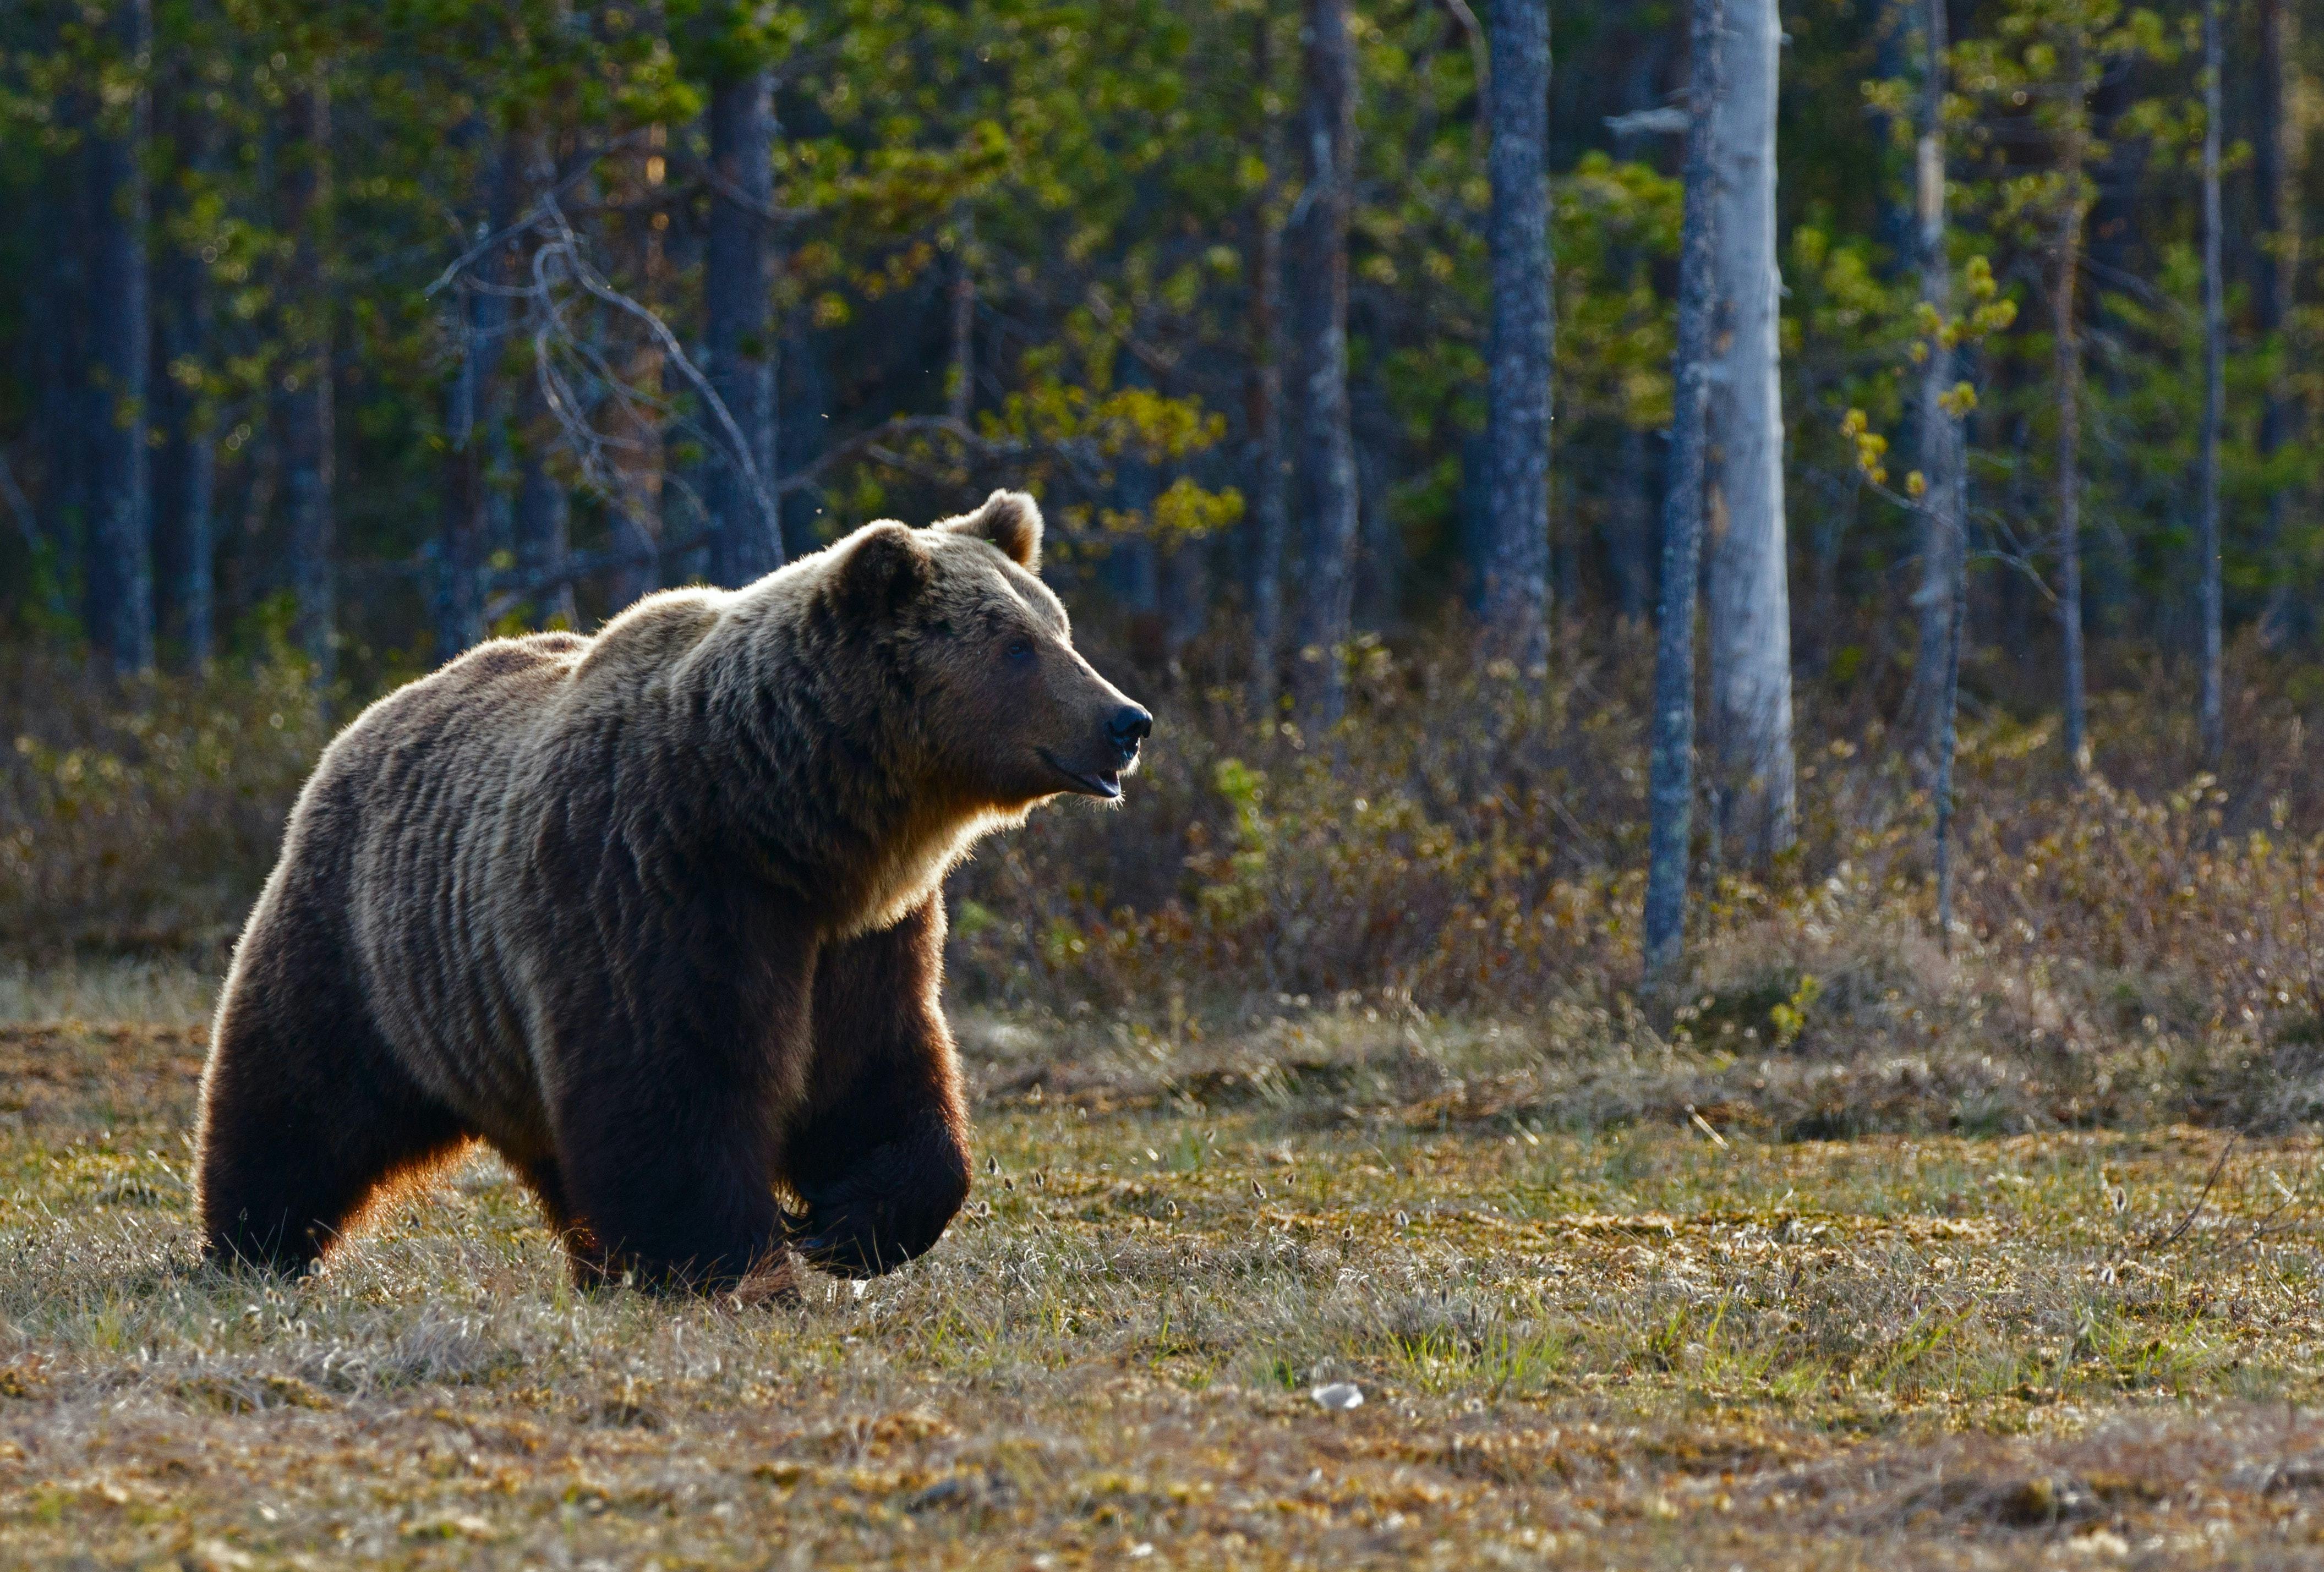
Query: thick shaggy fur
<point x="656" y="914"/>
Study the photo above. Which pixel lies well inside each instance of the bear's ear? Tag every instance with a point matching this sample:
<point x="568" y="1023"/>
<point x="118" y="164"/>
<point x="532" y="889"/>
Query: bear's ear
<point x="1012" y="520"/>
<point x="883" y="569"/>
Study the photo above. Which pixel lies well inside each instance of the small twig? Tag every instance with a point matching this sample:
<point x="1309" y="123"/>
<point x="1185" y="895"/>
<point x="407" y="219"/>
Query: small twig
<point x="2188" y="1221"/>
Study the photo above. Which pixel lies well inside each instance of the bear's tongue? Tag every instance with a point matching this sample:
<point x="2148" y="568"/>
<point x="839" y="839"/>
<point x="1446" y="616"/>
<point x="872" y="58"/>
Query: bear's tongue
<point x="1106" y="783"/>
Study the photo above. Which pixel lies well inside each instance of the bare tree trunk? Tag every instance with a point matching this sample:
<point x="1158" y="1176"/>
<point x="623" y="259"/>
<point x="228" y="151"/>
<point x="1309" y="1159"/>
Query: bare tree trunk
<point x="1925" y="703"/>
<point x="1329" y="127"/>
<point x="748" y="541"/>
<point x="2066" y="337"/>
<point x="1944" y="540"/>
<point x="2277" y="171"/>
<point x="1264" y="396"/>
<point x="1750" y="604"/>
<point x="1671" y="791"/>
<point x="120" y="571"/>
<point x="1518" y="356"/>
<point x="2214" y="363"/>
<point x="185" y="464"/>
<point x="302" y="408"/>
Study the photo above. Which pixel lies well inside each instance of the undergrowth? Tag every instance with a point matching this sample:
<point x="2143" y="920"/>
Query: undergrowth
<point x="2137" y="947"/>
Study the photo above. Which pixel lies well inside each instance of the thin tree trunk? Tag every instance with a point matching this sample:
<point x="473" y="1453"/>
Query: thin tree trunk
<point x="2277" y="170"/>
<point x="748" y="539"/>
<point x="120" y="571"/>
<point x="1750" y="605"/>
<point x="1925" y="703"/>
<point x="1329" y="127"/>
<point x="2215" y="361"/>
<point x="303" y="412"/>
<point x="185" y="464"/>
<point x="1944" y="555"/>
<point x="1264" y="395"/>
<point x="1518" y="356"/>
<point x="1671" y="791"/>
<point x="2068" y="375"/>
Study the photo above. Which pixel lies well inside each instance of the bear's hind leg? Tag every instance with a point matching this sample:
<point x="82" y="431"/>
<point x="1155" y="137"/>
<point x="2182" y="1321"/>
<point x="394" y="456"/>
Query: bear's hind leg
<point x="305" y="1115"/>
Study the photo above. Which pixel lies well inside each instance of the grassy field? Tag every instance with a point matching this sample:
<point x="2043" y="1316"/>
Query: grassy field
<point x="1661" y="1343"/>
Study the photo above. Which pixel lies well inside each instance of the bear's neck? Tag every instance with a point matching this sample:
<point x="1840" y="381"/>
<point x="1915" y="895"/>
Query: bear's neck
<point x="812" y="771"/>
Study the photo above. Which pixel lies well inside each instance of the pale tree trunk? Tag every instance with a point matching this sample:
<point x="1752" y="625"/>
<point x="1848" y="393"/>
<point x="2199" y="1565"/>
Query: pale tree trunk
<point x="1518" y="356"/>
<point x="740" y="342"/>
<point x="1263" y="394"/>
<point x="1925" y="703"/>
<point x="1944" y="539"/>
<point x="1750" y="605"/>
<point x="1671" y="789"/>
<point x="2277" y="171"/>
<point x="2215" y="361"/>
<point x="120" y="563"/>
<point x="2067" y="353"/>
<point x="1328" y="128"/>
<point x="302" y="404"/>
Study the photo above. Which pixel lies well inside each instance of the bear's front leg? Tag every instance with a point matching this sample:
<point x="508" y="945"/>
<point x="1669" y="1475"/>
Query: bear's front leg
<point x="665" y="1128"/>
<point x="880" y="1152"/>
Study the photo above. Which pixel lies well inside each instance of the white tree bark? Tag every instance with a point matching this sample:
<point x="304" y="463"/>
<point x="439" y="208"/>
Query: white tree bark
<point x="1750" y="600"/>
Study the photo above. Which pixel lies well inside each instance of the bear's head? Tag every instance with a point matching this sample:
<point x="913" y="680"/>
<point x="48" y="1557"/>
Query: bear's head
<point x="1006" y="710"/>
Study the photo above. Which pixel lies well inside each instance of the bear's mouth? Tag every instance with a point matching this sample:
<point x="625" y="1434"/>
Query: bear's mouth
<point x="1092" y="783"/>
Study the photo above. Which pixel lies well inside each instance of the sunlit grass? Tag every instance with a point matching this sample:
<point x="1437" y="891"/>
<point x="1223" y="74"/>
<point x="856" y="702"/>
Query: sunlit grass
<point x="1624" y="1345"/>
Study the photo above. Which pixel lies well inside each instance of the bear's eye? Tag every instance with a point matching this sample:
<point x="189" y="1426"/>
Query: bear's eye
<point x="1021" y="649"/>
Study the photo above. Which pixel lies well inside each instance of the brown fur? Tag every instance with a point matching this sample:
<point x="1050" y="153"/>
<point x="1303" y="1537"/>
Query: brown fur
<point x="656" y="914"/>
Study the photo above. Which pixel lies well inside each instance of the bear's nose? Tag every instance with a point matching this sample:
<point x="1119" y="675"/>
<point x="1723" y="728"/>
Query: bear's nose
<point x="1129" y="726"/>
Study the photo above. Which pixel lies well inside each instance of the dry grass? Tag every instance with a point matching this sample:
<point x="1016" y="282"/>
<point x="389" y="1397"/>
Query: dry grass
<point x="1580" y="1342"/>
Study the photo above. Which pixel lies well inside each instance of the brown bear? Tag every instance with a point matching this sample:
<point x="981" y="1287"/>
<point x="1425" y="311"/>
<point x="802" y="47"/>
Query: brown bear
<point x="656" y="914"/>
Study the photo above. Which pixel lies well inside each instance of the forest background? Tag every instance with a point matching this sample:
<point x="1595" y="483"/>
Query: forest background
<point x="335" y="339"/>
